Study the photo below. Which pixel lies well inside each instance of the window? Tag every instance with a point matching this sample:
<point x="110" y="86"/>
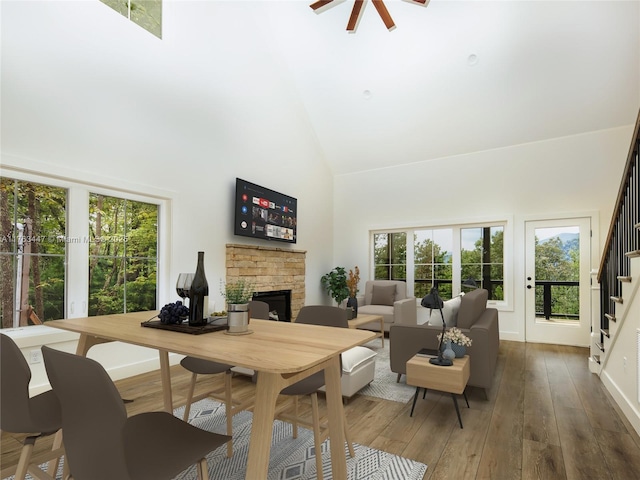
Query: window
<point x="32" y="252"/>
<point x="145" y="13"/>
<point x="390" y="256"/>
<point x="122" y="255"/>
<point x="443" y="256"/>
<point x="433" y="257"/>
<point x="482" y="256"/>
<point x="65" y="251"/>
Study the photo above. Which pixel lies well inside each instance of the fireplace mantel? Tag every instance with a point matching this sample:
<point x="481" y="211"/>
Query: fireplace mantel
<point x="271" y="268"/>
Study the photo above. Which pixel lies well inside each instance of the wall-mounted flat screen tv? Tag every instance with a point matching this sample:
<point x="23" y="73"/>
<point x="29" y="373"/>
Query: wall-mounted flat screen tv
<point x="264" y="213"/>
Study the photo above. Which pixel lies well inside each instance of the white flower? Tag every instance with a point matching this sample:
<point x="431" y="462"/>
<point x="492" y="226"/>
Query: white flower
<point x="455" y="335"/>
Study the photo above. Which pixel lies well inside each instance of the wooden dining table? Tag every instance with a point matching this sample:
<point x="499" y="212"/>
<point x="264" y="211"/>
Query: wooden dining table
<point x="282" y="353"/>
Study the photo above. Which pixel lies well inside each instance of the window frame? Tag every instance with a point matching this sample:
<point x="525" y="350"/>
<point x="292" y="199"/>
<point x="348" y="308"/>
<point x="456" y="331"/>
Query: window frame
<point x="505" y="222"/>
<point x="76" y="291"/>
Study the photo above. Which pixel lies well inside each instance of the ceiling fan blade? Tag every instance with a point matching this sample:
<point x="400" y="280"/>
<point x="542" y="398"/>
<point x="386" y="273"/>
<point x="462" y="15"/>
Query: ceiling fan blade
<point x="320" y="4"/>
<point x="355" y="15"/>
<point x="384" y="14"/>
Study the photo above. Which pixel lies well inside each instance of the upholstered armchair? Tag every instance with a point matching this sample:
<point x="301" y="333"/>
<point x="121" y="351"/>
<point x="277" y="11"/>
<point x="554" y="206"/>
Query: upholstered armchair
<point x="389" y="299"/>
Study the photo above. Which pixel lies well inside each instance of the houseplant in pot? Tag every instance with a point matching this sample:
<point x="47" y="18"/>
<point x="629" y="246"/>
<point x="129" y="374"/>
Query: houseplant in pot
<point x="237" y="294"/>
<point x="335" y="283"/>
<point x="458" y="341"/>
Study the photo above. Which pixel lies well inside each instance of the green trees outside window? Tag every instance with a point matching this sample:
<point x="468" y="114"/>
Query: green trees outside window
<point x="390" y="256"/>
<point x="122" y="255"/>
<point x="33" y="243"/>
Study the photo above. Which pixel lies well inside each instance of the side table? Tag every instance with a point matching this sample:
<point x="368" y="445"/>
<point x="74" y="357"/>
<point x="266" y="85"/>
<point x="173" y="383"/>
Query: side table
<point x="452" y="379"/>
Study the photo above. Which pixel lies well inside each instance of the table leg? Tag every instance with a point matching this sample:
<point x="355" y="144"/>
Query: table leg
<point x="336" y="418"/>
<point x="464" y="392"/>
<point x="267" y="389"/>
<point x="165" y="377"/>
<point x="415" y="397"/>
<point x="455" y="402"/>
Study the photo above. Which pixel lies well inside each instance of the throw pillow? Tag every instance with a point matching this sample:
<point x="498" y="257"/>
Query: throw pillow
<point x="383" y="295"/>
<point x="449" y="310"/>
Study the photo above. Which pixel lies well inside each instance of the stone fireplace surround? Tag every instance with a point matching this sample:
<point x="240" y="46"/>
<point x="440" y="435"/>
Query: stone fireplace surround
<point x="271" y="268"/>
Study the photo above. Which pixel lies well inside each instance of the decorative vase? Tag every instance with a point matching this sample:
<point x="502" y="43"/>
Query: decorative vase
<point x="459" y="350"/>
<point x="352" y="303"/>
<point x="448" y="353"/>
<point x="238" y="317"/>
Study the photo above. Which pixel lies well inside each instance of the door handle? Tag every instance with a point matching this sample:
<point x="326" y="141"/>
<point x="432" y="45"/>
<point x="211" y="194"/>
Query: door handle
<point x="529" y="286"/>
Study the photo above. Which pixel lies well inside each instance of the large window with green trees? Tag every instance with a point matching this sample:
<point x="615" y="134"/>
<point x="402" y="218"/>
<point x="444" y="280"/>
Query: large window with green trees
<point x="122" y="255"/>
<point x="390" y="255"/>
<point x="32" y="252"/>
<point x="449" y="257"/>
<point x="61" y="242"/>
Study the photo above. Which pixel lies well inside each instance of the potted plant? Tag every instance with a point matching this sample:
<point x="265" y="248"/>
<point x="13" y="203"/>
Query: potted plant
<point x="335" y="283"/>
<point x="458" y="341"/>
<point x="238" y="293"/>
<point x="352" y="285"/>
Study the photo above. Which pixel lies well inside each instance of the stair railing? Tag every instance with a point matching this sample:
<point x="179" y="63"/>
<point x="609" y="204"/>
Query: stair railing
<point x="623" y="239"/>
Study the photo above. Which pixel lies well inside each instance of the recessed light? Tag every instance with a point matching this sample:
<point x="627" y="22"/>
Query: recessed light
<point x="367" y="94"/>
<point x="472" y="59"/>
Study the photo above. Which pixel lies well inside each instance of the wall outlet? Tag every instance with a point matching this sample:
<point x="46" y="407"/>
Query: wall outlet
<point x="35" y="356"/>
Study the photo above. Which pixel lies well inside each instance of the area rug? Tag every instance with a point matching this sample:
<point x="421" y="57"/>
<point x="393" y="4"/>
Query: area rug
<point x="384" y="383"/>
<point x="291" y="459"/>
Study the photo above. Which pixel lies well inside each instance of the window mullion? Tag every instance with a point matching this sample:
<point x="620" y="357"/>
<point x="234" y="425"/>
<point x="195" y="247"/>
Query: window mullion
<point x="77" y="253"/>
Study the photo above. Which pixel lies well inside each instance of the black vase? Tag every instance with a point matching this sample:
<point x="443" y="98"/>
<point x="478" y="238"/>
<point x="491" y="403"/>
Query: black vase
<point x="352" y="302"/>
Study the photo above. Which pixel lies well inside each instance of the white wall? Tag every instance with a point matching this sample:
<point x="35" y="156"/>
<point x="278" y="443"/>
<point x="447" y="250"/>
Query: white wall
<point x="156" y="139"/>
<point x="541" y="180"/>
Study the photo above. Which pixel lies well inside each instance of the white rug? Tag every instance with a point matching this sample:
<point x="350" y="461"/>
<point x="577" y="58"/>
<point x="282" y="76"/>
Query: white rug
<point x="384" y="383"/>
<point x="291" y="459"/>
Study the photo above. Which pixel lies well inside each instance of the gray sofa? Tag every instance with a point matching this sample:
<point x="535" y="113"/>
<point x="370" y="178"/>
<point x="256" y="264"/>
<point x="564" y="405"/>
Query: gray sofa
<point x="389" y="299"/>
<point x="475" y="320"/>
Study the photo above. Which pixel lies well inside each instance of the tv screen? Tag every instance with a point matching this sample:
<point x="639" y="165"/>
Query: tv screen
<point x="264" y="213"/>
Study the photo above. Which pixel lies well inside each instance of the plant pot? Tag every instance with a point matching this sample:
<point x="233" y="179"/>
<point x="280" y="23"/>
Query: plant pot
<point x="352" y="303"/>
<point x="459" y="350"/>
<point x="238" y="317"/>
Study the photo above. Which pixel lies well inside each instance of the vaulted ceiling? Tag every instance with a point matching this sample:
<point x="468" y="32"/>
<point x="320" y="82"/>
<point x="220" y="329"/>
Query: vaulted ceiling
<point x="453" y="77"/>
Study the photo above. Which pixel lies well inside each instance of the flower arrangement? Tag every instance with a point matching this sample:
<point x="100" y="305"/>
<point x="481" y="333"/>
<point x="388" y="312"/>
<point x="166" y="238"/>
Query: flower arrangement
<point x="352" y="282"/>
<point x="237" y="291"/>
<point x="455" y="335"/>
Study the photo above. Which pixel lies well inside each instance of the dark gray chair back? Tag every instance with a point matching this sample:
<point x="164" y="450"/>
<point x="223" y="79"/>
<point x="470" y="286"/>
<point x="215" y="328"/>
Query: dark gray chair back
<point x="323" y="315"/>
<point x="259" y="309"/>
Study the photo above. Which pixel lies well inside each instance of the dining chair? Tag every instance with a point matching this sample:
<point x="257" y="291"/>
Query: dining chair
<point x="324" y="316"/>
<point x="102" y="443"/>
<point x="224" y="394"/>
<point x="38" y="416"/>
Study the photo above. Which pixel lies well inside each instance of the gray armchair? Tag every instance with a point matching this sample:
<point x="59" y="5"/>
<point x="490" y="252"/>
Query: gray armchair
<point x="476" y="321"/>
<point x="389" y="299"/>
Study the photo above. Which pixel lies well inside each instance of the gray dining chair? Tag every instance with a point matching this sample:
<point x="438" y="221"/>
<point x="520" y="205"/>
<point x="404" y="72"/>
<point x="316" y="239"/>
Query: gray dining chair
<point x="37" y="416"/>
<point x="289" y="411"/>
<point x="102" y="443"/>
<point x="224" y="394"/>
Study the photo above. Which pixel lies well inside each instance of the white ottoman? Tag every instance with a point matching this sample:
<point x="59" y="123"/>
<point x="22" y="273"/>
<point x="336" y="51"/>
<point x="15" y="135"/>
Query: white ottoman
<point x="358" y="370"/>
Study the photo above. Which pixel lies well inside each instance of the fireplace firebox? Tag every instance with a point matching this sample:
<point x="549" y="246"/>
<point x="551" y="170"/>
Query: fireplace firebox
<point x="279" y="302"/>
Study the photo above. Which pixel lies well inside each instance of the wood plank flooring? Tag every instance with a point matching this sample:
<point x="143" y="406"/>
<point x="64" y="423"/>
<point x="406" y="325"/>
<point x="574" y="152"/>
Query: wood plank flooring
<point x="546" y="417"/>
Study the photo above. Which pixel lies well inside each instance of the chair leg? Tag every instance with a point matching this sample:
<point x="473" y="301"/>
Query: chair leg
<point x="294" y="424"/>
<point x="192" y="388"/>
<point x="317" y="441"/>
<point x="52" y="468"/>
<point x="228" y="406"/>
<point x="202" y="469"/>
<point x="25" y="458"/>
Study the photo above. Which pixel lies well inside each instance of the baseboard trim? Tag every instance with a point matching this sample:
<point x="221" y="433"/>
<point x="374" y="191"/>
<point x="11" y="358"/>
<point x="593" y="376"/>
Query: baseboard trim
<point x="627" y="406"/>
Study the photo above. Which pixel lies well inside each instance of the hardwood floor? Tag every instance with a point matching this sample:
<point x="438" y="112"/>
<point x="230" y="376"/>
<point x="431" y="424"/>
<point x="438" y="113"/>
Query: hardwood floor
<point x="546" y="417"/>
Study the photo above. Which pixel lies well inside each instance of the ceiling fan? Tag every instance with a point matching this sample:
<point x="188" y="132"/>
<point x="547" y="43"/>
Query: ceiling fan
<point x="358" y="7"/>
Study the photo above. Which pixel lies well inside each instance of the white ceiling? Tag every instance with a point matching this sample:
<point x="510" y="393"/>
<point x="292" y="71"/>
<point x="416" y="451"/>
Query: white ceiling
<point x="374" y="98"/>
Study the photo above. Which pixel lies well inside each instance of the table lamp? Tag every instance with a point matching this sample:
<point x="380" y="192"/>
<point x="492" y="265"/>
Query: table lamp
<point x="433" y="300"/>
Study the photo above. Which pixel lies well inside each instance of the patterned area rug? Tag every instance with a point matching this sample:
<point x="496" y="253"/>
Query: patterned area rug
<point x="384" y="383"/>
<point x="291" y="459"/>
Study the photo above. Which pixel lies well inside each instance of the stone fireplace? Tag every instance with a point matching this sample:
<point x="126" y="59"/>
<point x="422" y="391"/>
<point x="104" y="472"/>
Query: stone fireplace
<point x="270" y="268"/>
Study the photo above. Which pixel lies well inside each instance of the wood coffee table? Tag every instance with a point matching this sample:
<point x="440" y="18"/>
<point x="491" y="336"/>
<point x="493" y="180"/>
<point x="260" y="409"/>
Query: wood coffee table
<point x="452" y="379"/>
<point x="363" y="319"/>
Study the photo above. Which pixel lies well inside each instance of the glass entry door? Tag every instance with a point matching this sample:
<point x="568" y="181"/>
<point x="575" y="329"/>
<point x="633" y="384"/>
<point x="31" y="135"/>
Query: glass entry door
<point x="558" y="307"/>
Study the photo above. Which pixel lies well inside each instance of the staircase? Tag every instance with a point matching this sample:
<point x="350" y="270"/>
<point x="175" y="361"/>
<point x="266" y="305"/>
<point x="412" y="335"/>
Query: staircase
<point x="615" y="349"/>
